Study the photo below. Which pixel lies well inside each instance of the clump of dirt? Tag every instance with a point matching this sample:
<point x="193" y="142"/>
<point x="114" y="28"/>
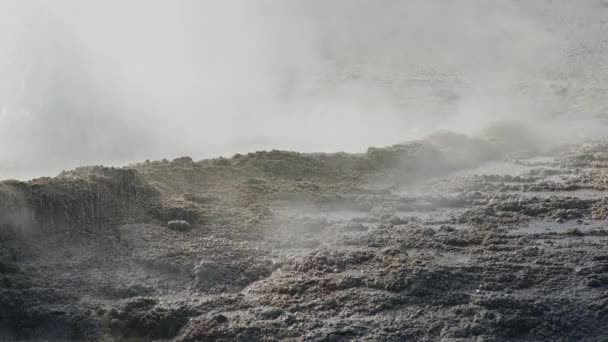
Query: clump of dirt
<point x="600" y="209"/>
<point x="144" y="318"/>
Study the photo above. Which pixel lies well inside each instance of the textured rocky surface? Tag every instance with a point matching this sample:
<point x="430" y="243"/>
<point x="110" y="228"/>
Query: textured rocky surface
<point x="418" y="241"/>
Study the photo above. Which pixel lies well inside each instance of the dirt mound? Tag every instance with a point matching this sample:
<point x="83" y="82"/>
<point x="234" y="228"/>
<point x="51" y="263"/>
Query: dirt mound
<point x="91" y="196"/>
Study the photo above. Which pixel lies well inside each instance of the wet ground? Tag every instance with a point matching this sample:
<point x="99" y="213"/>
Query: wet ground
<point x="509" y="249"/>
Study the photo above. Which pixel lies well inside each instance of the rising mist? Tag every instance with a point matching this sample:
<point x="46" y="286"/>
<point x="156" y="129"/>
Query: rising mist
<point x="86" y="82"/>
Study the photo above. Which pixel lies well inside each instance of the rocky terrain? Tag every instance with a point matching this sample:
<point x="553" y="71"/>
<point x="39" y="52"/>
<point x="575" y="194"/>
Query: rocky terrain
<point x="445" y="239"/>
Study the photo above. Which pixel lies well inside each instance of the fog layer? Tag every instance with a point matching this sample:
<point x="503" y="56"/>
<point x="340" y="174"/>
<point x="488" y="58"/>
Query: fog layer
<point x="91" y="82"/>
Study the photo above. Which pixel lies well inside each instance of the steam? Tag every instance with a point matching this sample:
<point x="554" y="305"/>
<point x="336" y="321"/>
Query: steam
<point x="118" y="81"/>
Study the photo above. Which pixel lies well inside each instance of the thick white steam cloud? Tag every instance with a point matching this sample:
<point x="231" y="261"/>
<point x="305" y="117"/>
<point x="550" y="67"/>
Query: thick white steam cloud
<point x="117" y="81"/>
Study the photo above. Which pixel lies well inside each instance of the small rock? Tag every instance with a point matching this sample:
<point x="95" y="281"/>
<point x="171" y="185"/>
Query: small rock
<point x="446" y="228"/>
<point x="115" y="322"/>
<point x="574" y="232"/>
<point x="220" y="318"/>
<point x="180" y="225"/>
<point x="289" y="319"/>
<point x="428" y="232"/>
<point x="594" y="283"/>
<point x="271" y="313"/>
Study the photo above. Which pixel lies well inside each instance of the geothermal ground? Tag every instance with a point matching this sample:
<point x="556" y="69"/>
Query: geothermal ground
<point x="446" y="239"/>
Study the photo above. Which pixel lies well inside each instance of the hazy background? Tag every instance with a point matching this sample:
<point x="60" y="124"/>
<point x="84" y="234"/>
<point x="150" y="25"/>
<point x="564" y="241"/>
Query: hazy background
<point x="110" y="82"/>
